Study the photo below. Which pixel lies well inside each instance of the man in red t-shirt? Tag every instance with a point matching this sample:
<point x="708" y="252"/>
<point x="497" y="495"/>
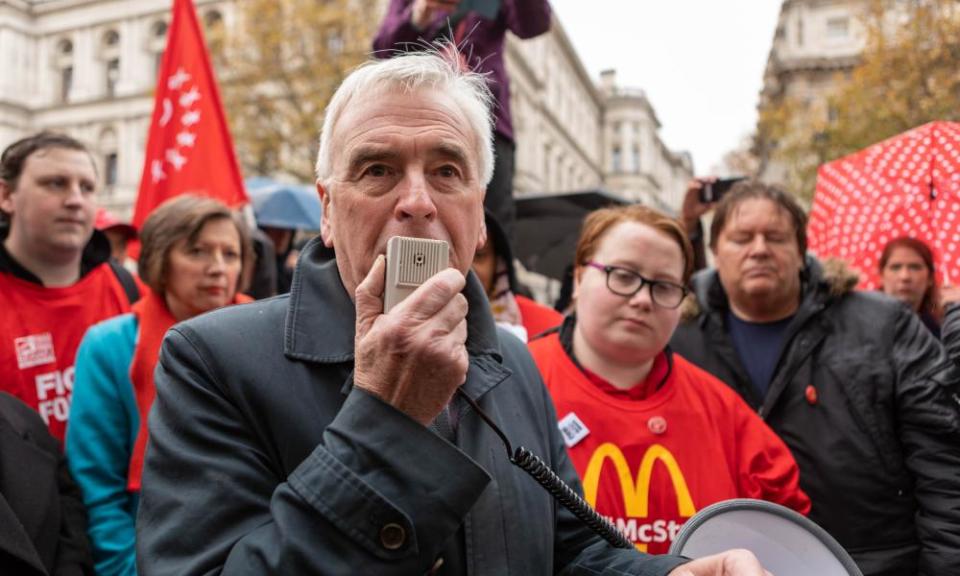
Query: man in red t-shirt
<point x="56" y="276"/>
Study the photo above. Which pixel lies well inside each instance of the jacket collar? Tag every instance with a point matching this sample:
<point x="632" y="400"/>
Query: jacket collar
<point x="816" y="287"/>
<point x="320" y="324"/>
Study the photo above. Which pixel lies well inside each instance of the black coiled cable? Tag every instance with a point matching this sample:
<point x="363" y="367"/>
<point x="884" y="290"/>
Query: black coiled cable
<point x="539" y="471"/>
<point x="534" y="466"/>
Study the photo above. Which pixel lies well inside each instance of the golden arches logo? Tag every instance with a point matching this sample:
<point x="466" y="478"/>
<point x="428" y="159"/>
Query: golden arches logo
<point x="636" y="491"/>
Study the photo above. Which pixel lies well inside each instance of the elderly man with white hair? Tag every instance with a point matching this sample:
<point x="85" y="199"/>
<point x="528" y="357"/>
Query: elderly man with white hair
<point x="301" y="435"/>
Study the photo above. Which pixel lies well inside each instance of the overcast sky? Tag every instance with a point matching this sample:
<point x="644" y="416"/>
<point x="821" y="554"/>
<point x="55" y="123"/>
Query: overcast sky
<point x="700" y="62"/>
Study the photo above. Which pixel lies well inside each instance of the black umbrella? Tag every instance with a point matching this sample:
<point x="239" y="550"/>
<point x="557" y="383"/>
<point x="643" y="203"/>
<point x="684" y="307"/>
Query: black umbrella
<point x="548" y="226"/>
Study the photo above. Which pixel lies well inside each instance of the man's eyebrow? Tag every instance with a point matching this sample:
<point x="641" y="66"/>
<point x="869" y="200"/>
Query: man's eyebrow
<point x="451" y="151"/>
<point x="371" y="154"/>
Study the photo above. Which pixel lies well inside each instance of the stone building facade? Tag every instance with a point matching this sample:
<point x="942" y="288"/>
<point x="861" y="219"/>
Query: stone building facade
<point x="816" y="43"/>
<point x="574" y="134"/>
<point x="88" y="67"/>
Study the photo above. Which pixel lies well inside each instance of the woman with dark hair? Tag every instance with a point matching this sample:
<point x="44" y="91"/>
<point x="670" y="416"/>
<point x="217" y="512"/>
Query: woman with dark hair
<point x="676" y="438"/>
<point x="908" y="274"/>
<point x="195" y="256"/>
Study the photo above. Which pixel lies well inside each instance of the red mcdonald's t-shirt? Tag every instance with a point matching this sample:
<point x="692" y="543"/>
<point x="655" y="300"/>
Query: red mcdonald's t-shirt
<point x="648" y="465"/>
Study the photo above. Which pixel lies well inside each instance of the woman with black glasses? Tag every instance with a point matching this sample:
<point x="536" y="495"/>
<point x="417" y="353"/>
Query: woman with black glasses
<point x="653" y="437"/>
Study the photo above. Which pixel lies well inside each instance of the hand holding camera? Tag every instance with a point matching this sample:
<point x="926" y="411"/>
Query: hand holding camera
<point x="701" y="197"/>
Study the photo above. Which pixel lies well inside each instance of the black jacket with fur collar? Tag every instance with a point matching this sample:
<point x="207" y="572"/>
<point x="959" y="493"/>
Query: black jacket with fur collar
<point x="867" y="400"/>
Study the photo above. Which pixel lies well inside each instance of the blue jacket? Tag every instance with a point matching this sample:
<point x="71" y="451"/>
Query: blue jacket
<point x="103" y="428"/>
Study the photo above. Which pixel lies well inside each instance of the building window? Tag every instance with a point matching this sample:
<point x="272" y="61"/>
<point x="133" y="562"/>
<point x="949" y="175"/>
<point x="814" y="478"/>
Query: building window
<point x="800" y="32"/>
<point x="110" y="56"/>
<point x="617" y="160"/>
<point x="111" y="38"/>
<point x="63" y="64"/>
<point x="66" y="83"/>
<point x="156" y="44"/>
<point x="159" y="30"/>
<point x="113" y="74"/>
<point x="107" y="146"/>
<point x="838" y="28"/>
<point x="636" y="159"/>
<point x="110" y="170"/>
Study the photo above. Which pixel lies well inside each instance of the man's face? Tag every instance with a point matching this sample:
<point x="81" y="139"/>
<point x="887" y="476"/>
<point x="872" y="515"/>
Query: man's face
<point x="52" y="208"/>
<point x="406" y="165"/>
<point x="757" y="255"/>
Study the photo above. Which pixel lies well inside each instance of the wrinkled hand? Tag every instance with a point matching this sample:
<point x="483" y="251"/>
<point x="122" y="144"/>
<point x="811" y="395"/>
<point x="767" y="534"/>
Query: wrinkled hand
<point x="414" y="357"/>
<point x="729" y="563"/>
<point x="693" y="208"/>
<point x="424" y="12"/>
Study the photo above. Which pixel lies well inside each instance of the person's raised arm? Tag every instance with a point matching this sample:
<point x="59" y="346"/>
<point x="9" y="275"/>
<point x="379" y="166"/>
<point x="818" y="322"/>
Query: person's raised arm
<point x="691" y="213"/>
<point x="527" y="18"/>
<point x="408" y="23"/>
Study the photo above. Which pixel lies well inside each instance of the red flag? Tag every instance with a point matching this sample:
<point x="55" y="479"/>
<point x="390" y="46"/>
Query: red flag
<point x="189" y="148"/>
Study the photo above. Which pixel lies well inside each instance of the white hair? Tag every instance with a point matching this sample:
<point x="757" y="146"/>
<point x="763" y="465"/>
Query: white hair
<point x="411" y="72"/>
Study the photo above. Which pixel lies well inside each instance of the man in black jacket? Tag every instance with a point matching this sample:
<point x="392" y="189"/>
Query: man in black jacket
<point x="43" y="525"/>
<point x="856" y="386"/>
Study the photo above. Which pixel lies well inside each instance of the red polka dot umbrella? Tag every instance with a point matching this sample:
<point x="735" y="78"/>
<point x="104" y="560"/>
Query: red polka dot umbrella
<point x="908" y="185"/>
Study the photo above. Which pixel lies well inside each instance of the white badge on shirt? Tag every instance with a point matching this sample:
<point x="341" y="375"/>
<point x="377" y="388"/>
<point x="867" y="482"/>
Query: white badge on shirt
<point x="573" y="429"/>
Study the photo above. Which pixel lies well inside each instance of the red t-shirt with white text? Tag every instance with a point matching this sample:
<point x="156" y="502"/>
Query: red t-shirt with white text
<point x="40" y="330"/>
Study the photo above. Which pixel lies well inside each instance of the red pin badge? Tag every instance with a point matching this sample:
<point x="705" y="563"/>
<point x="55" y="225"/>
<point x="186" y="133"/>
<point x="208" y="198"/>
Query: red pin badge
<point x="811" y="394"/>
<point x="657" y="424"/>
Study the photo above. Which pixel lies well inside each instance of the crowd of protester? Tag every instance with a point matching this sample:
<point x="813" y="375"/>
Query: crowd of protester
<point x="162" y="422"/>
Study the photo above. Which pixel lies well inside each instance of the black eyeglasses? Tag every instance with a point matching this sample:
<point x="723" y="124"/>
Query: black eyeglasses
<point x="625" y="282"/>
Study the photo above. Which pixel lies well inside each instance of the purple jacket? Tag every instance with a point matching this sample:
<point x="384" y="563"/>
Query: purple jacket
<point x="484" y="46"/>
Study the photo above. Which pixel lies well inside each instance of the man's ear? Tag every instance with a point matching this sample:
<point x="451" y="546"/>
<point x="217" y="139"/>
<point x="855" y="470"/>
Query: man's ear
<point x="326" y="225"/>
<point x="482" y="239"/>
<point x="6" y="197"/>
